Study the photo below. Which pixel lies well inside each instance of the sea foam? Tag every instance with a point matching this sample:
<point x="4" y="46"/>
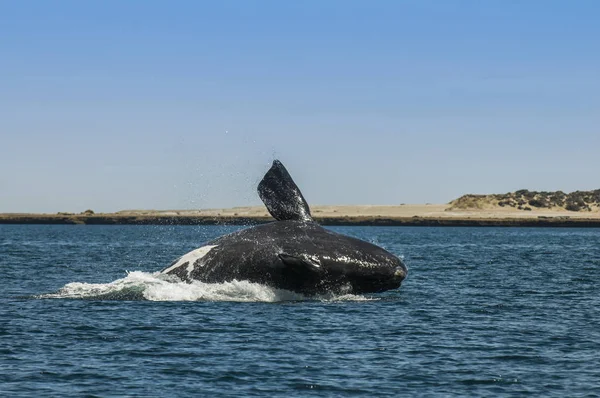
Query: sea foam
<point x="138" y="285"/>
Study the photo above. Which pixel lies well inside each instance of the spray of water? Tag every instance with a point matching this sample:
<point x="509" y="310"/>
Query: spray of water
<point x="138" y="285"/>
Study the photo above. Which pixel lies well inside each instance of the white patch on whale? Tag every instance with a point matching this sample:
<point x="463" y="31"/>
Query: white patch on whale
<point x="190" y="258"/>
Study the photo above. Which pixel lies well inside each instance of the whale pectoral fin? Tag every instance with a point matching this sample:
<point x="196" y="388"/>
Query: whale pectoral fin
<point x="281" y="195"/>
<point x="301" y="264"/>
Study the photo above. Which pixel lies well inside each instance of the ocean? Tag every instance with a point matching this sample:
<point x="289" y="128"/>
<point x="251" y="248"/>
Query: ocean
<point x="483" y="312"/>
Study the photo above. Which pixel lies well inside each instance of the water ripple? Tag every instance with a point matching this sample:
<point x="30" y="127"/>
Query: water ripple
<point x="484" y="312"/>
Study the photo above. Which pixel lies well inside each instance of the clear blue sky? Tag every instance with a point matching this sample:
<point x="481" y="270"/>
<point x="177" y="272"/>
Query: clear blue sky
<point x="115" y="105"/>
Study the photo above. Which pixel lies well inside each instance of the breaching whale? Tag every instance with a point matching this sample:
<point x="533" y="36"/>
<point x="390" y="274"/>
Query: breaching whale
<point x="293" y="252"/>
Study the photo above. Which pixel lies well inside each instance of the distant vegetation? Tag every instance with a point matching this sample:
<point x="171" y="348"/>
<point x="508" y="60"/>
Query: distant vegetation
<point x="526" y="200"/>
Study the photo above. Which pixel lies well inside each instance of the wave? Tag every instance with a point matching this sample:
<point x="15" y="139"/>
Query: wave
<point x="138" y="285"/>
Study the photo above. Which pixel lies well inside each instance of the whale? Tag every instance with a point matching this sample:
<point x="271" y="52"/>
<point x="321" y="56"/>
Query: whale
<point x="293" y="252"/>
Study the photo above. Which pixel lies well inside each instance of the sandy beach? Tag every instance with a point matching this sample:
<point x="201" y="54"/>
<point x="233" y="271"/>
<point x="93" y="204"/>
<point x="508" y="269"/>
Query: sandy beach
<point x="434" y="211"/>
<point x="409" y="214"/>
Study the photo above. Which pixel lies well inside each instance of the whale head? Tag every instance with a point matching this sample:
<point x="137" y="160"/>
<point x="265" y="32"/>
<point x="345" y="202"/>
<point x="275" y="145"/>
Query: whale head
<point x="366" y="268"/>
<point x="333" y="262"/>
<point x="384" y="272"/>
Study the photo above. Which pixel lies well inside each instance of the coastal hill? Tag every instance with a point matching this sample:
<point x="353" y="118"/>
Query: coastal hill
<point x="578" y="201"/>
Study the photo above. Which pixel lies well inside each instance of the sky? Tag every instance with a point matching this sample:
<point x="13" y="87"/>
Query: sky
<point x="113" y="105"/>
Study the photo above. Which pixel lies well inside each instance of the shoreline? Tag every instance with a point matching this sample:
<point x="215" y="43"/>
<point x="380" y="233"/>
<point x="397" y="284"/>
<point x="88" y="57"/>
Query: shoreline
<point x="400" y="215"/>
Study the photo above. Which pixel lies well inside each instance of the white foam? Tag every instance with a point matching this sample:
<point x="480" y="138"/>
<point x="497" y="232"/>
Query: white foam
<point x="138" y="285"/>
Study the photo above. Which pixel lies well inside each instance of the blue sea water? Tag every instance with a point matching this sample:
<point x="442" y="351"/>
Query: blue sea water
<point x="483" y="312"/>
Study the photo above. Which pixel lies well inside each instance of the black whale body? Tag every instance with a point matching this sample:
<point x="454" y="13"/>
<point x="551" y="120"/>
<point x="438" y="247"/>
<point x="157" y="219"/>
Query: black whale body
<point x="292" y="253"/>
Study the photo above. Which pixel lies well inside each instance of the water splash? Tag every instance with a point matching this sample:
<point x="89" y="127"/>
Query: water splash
<point x="138" y="285"/>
